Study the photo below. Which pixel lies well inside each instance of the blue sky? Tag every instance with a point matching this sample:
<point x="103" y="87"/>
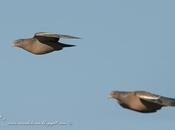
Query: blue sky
<point x="125" y="45"/>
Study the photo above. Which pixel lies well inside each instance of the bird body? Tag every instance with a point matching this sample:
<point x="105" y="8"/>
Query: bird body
<point x="142" y="101"/>
<point x="34" y="46"/>
<point x="43" y="43"/>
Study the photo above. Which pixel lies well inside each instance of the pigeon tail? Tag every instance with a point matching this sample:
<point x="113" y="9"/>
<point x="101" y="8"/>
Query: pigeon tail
<point x="168" y="101"/>
<point x="66" y="45"/>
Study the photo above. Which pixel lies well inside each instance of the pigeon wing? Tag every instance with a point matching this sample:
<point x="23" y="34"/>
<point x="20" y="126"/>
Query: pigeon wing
<point x="149" y="97"/>
<point x="52" y="37"/>
<point x="164" y="101"/>
<point x="46" y="37"/>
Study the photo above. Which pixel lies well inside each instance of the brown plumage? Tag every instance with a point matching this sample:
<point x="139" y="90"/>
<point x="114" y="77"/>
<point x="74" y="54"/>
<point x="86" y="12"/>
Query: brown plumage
<point x="141" y="101"/>
<point x="43" y="42"/>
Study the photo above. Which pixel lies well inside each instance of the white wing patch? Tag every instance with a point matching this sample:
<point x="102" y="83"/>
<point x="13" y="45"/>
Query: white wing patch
<point x="47" y="34"/>
<point x="149" y="97"/>
<point x="42" y="33"/>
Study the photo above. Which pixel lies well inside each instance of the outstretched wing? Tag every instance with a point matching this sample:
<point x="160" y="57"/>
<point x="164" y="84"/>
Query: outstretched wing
<point x="68" y="36"/>
<point x="153" y="98"/>
<point x="52" y="37"/>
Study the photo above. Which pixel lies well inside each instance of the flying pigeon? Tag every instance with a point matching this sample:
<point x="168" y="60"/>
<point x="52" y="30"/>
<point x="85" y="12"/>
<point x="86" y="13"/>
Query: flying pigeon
<point x="141" y="101"/>
<point x="43" y="42"/>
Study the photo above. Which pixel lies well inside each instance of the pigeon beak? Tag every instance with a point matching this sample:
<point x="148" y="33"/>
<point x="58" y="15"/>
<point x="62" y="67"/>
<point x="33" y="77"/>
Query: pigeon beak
<point x="110" y="96"/>
<point x="13" y="45"/>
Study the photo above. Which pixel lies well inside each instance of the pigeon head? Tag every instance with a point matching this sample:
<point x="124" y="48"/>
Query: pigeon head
<point x="118" y="94"/>
<point x="18" y="43"/>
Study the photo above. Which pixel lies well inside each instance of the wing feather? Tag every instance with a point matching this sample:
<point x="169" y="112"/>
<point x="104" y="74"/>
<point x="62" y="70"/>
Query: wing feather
<point x="52" y="36"/>
<point x="153" y="98"/>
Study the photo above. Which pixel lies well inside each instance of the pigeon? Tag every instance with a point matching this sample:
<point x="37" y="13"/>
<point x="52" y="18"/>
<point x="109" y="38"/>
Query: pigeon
<point x="141" y="101"/>
<point x="43" y="42"/>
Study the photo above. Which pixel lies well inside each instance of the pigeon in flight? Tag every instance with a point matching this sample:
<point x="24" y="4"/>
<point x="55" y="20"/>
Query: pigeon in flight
<point x="43" y="42"/>
<point x="141" y="101"/>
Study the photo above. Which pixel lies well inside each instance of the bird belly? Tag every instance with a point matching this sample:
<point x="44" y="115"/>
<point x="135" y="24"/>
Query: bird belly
<point x="42" y="49"/>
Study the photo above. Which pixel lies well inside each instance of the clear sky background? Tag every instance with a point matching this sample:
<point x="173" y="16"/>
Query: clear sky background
<point x="125" y="45"/>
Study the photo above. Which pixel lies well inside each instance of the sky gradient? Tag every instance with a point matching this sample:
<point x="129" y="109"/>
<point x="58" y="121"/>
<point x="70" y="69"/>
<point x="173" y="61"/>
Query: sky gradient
<point x="126" y="45"/>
